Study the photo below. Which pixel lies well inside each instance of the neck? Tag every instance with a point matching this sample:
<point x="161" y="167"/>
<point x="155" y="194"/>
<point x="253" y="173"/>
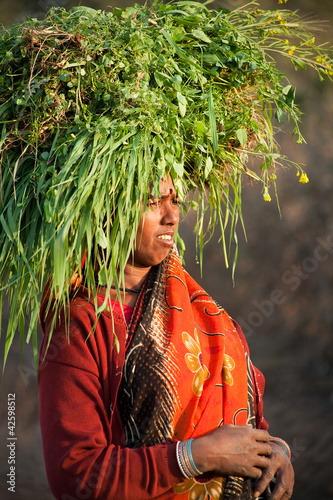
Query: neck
<point x="135" y="278"/>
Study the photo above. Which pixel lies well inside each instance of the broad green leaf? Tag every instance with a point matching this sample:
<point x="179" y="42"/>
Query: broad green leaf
<point x="177" y="79"/>
<point x="179" y="169"/>
<point x="241" y="135"/>
<point x="182" y="102"/>
<point x="208" y="167"/>
<point x="299" y="63"/>
<point x="5" y="106"/>
<point x="101" y="238"/>
<point x="210" y="58"/>
<point x="279" y="115"/>
<point x="201" y="35"/>
<point x="161" y="78"/>
<point x="200" y="126"/>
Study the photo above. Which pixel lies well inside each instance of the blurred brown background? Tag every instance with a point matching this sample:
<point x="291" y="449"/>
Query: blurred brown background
<point x="282" y="296"/>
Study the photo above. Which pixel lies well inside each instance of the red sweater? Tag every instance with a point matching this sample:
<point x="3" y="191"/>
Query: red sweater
<point x="82" y="433"/>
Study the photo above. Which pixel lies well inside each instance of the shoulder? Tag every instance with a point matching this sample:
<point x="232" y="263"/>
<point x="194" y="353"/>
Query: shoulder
<point x="79" y="337"/>
<point x="241" y="336"/>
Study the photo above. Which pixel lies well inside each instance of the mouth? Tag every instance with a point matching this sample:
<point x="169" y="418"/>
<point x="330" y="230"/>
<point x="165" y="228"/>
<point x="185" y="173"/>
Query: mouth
<point x="166" y="238"/>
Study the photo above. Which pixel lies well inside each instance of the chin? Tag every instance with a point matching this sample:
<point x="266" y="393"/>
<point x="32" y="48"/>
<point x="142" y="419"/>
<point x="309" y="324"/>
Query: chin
<point x="148" y="261"/>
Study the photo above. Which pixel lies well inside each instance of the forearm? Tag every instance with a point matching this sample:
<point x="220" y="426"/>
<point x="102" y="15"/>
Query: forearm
<point x="81" y="457"/>
<point x="114" y="473"/>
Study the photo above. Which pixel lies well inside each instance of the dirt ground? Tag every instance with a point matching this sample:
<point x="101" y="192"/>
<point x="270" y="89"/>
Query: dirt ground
<point x="282" y="298"/>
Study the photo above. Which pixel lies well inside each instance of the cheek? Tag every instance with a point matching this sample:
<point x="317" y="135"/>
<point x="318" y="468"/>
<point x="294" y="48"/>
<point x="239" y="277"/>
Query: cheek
<point x="145" y="229"/>
<point x="177" y="213"/>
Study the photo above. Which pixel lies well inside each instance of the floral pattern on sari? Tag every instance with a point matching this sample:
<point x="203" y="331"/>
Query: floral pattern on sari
<point x="228" y="365"/>
<point x="194" y="361"/>
<point x="198" y="488"/>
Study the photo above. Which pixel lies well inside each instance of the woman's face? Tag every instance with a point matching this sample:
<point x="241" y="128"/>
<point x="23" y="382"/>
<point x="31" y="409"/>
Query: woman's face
<point x="157" y="227"/>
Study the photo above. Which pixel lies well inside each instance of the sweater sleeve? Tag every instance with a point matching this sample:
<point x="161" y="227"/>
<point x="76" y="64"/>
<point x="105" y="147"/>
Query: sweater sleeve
<point x="84" y="456"/>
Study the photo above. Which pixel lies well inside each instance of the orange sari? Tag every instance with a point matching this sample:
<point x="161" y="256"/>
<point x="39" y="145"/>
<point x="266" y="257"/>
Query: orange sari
<point x="186" y="372"/>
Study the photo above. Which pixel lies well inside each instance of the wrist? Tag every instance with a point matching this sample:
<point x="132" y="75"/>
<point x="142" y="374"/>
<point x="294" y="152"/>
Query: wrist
<point x="185" y="459"/>
<point x="199" y="453"/>
<point x="282" y="444"/>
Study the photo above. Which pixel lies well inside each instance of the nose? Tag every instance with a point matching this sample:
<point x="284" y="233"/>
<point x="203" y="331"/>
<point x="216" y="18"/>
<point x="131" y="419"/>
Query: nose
<point x="171" y="214"/>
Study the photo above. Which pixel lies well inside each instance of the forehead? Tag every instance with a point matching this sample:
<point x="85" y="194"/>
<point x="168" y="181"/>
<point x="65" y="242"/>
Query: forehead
<point x="166" y="187"/>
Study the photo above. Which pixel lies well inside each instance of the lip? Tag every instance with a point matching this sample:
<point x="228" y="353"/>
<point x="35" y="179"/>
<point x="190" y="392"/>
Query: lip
<point x="166" y="242"/>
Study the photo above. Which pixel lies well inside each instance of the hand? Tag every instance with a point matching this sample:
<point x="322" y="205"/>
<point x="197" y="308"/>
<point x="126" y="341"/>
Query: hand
<point x="279" y="466"/>
<point x="233" y="450"/>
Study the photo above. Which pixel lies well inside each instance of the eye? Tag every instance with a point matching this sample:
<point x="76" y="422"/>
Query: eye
<point x="176" y="201"/>
<point x="153" y="202"/>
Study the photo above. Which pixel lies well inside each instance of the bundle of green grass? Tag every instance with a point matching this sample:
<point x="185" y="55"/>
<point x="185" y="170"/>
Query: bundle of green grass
<point x="94" y="106"/>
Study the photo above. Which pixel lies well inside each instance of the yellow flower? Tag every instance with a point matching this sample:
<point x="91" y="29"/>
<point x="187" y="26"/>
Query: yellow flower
<point x="321" y="60"/>
<point x="266" y="194"/>
<point x="198" y="489"/>
<point x="304" y="179"/>
<point x="194" y="362"/>
<point x="292" y="50"/>
<point x="228" y="365"/>
<point x="286" y="41"/>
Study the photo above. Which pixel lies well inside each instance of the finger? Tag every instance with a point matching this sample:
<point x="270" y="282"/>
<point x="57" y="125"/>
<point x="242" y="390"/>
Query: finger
<point x="263" y="482"/>
<point x="261" y="435"/>
<point x="284" y="480"/>
<point x="283" y="490"/>
<point x="264" y="449"/>
<point x="262" y="462"/>
<point x="284" y="486"/>
<point x="254" y="472"/>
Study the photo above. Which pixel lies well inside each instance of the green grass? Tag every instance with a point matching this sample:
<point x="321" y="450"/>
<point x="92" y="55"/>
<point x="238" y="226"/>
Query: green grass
<point x="96" y="105"/>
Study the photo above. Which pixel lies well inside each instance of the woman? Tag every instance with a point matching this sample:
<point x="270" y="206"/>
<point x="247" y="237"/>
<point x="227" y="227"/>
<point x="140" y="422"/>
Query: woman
<point x="118" y="416"/>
